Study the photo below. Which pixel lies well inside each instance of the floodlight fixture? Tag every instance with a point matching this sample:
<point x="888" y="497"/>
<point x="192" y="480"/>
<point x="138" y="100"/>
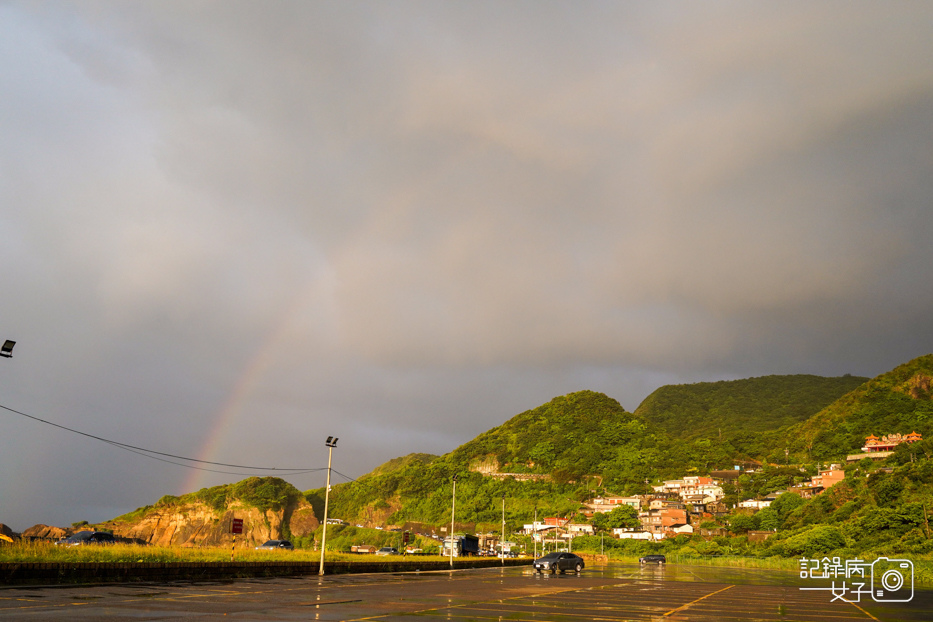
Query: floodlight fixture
<point x="331" y="441"/>
<point x="7" y="349"/>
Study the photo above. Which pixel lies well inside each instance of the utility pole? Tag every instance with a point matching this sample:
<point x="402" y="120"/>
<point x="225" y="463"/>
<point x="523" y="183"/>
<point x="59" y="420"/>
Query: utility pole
<point x="453" y="507"/>
<point x="502" y="544"/>
<point x="331" y="443"/>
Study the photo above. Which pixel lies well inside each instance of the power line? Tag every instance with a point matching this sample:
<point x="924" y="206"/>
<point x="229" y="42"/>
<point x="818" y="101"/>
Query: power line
<point x="153" y="454"/>
<point x="346" y="477"/>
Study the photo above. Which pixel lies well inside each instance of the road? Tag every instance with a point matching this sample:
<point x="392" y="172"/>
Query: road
<point x="609" y="593"/>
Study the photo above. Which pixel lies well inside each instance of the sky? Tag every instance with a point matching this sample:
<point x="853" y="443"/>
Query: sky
<point x="229" y="230"/>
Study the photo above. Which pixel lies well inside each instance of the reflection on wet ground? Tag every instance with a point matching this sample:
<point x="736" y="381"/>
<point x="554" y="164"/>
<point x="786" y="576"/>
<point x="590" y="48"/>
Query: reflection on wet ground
<point x="610" y="592"/>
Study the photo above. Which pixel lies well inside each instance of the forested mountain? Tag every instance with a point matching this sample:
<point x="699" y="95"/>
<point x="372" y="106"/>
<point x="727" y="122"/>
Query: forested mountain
<point x="569" y="438"/>
<point x="900" y="401"/>
<point x="734" y="408"/>
<point x="583" y="444"/>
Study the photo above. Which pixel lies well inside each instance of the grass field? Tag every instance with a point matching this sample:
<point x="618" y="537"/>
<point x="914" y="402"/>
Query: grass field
<point x="44" y="552"/>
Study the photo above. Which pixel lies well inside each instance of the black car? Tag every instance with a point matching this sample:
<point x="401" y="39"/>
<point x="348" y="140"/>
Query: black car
<point x="553" y="562"/>
<point x="89" y="537"/>
<point x="652" y="559"/>
<point x="277" y="545"/>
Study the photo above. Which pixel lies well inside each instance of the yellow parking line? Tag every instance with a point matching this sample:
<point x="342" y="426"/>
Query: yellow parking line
<point x="862" y="610"/>
<point x="693" y="602"/>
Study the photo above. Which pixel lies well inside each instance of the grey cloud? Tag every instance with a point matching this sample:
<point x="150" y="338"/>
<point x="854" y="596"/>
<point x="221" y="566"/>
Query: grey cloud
<point x="411" y="221"/>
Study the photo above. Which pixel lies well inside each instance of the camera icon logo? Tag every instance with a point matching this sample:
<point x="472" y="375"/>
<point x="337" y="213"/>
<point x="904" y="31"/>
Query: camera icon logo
<point x="892" y="580"/>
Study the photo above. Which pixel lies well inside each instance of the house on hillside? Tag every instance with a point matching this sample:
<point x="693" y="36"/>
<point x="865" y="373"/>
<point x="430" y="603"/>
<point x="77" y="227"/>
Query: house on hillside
<point x="680" y="528"/>
<point x="662" y="520"/>
<point x="880" y="448"/>
<point x="819" y="483"/>
<point x="537" y="528"/>
<point x="888" y="443"/>
<point x="607" y="504"/>
<point x="624" y="534"/>
<point x="691" y="486"/>
<point x="580" y="529"/>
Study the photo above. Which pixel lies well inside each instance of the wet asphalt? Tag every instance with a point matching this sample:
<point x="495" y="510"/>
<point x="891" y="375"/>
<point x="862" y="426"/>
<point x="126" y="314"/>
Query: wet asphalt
<point x="611" y="592"/>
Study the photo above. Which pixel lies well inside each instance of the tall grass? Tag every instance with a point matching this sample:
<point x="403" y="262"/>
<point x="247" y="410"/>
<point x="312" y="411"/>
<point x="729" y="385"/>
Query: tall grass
<point x="45" y="552"/>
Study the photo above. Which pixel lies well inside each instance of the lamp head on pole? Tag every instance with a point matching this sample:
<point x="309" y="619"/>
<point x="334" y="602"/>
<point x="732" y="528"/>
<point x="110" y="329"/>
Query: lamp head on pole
<point x="455" y="477"/>
<point x="7" y="349"/>
<point x="331" y="441"/>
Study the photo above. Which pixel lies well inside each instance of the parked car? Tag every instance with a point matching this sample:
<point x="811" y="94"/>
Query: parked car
<point x="277" y="545"/>
<point x="553" y="562"/>
<point x="88" y="537"/>
<point x="387" y="550"/>
<point x="652" y="559"/>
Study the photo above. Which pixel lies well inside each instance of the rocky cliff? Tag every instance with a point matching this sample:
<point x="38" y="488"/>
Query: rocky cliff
<point x="45" y="532"/>
<point x="197" y="524"/>
<point x="271" y="509"/>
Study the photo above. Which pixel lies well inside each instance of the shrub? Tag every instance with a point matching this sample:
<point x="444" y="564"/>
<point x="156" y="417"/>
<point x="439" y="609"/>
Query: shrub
<point x="818" y="540"/>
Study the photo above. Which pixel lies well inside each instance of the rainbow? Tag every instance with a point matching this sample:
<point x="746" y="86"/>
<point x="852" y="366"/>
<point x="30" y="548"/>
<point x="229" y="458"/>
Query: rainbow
<point x="252" y="373"/>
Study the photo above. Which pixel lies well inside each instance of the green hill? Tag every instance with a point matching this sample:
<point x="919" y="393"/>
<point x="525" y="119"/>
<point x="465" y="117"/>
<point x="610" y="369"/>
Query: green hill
<point x="900" y="400"/>
<point x="576" y="446"/>
<point x="398" y="464"/>
<point x="714" y="409"/>
<point x="580" y="443"/>
<point x="570" y="437"/>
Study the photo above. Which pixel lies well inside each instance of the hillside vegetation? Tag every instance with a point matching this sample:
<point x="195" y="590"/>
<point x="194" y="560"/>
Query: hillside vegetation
<point x="897" y="401"/>
<point x="549" y="459"/>
<point x="577" y="441"/>
<point x="738" y="411"/>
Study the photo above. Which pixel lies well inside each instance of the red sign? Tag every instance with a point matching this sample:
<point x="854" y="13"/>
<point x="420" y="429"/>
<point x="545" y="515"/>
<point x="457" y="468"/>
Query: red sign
<point x="236" y="526"/>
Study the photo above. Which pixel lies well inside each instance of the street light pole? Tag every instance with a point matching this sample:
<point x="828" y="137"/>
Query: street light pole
<point x="331" y="443"/>
<point x="534" y="529"/>
<point x="453" y="507"/>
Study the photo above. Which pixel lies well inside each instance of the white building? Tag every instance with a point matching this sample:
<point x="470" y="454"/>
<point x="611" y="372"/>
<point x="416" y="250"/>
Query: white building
<point x="622" y="534"/>
<point x="607" y="504"/>
<point x="756" y="504"/>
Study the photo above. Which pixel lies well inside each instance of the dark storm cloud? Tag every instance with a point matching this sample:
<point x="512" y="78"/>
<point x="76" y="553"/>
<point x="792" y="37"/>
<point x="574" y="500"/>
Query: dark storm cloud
<point x="413" y="220"/>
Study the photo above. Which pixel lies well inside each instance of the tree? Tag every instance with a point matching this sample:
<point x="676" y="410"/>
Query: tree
<point x="742" y="523"/>
<point x="786" y="503"/>
<point x="621" y="517"/>
<point x="768" y="519"/>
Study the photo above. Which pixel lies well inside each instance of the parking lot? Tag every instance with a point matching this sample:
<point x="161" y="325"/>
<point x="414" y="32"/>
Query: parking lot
<point x="489" y="594"/>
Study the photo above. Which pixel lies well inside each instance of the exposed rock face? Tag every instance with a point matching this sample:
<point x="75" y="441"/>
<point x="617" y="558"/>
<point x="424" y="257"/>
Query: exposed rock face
<point x="46" y="532"/>
<point x="270" y="508"/>
<point x="196" y="524"/>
